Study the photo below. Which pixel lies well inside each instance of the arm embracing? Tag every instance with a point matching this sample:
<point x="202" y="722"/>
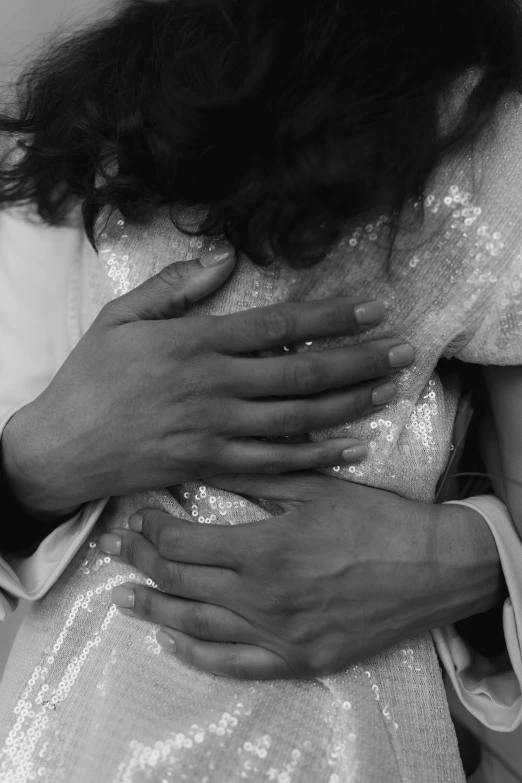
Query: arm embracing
<point x="35" y="263"/>
<point x="490" y="685"/>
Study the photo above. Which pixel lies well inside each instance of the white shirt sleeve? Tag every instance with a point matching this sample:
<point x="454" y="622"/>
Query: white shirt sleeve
<point x="491" y="691"/>
<point x="36" y="262"/>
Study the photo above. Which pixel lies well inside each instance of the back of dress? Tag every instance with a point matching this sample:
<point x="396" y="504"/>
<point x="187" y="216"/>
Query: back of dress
<point x="93" y="697"/>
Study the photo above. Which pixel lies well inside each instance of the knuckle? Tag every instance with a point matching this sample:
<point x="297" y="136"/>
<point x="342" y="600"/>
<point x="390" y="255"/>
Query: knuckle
<point x="166" y="540"/>
<point x="376" y="361"/>
<point x="187" y="343"/>
<point x="152" y="521"/>
<point x="360" y="404"/>
<point x="213" y="455"/>
<point x="191" y="655"/>
<point x="278" y="463"/>
<point x="306" y="375"/>
<point x="276" y="324"/>
<point x="292" y="420"/>
<point x="131" y="549"/>
<point x="144" y="602"/>
<point x="168" y="576"/>
<point x="198" y="622"/>
<point x="173" y="274"/>
<point x="203" y="330"/>
<point x="233" y="665"/>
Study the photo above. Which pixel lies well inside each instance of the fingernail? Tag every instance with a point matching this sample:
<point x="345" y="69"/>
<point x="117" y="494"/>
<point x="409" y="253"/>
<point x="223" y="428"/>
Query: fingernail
<point x="167" y="641"/>
<point x="136" y="523"/>
<point x="384" y="393"/>
<point x="369" y="313"/>
<point x="217" y="256"/>
<point x="124" y="597"/>
<point x="354" y="453"/>
<point x="400" y="355"/>
<point x="110" y="543"/>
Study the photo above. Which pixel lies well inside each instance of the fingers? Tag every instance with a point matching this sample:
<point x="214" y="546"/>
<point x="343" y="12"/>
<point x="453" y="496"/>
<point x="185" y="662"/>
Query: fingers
<point x="199" y="583"/>
<point x="168" y="293"/>
<point x="283" y="324"/>
<point x="317" y="371"/>
<point x="186" y="542"/>
<point x="302" y="415"/>
<point x="252" y="456"/>
<point x="287" y="489"/>
<point x="199" y="620"/>
<point x="241" y="661"/>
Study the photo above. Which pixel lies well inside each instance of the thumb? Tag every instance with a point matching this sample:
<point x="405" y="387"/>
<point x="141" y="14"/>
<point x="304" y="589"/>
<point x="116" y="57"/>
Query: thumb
<point x="177" y="285"/>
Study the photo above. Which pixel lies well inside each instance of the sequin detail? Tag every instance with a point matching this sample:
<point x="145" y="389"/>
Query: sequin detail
<point x="452" y="290"/>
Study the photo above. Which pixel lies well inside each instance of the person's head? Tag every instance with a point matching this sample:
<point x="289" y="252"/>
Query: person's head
<point x="285" y="119"/>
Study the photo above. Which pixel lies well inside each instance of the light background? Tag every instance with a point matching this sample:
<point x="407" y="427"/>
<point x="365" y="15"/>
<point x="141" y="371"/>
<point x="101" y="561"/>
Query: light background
<point x="25" y="23"/>
<point x="24" y="26"/>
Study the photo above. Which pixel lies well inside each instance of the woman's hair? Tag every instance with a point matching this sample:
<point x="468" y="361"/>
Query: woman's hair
<point x="283" y="119"/>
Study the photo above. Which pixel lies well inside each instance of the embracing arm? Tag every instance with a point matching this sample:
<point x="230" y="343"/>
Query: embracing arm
<point x="491" y="687"/>
<point x="35" y="263"/>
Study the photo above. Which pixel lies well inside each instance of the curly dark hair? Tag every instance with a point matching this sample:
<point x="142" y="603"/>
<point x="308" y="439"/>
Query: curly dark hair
<point x="283" y="119"/>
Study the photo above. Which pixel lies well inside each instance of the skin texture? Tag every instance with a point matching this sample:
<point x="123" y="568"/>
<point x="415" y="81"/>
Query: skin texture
<point x="304" y="600"/>
<point x="344" y="573"/>
<point x="197" y="401"/>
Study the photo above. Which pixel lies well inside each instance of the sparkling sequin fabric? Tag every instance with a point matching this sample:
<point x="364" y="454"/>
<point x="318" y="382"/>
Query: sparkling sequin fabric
<point x="89" y="696"/>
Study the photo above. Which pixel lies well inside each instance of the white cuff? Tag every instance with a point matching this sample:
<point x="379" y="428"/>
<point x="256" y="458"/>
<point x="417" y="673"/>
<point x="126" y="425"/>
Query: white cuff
<point x="489" y="691"/>
<point x="31" y="577"/>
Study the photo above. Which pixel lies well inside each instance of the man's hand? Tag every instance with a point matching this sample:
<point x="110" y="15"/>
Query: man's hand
<point x="147" y="400"/>
<point x="344" y="573"/>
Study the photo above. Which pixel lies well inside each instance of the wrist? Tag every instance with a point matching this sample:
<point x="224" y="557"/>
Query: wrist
<point x="28" y="471"/>
<point x="465" y="563"/>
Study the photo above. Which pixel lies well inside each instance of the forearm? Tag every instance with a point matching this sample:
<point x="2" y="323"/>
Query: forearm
<point x="451" y="569"/>
<point x="481" y="629"/>
<point x="490" y="689"/>
<point x="472" y="570"/>
<point x="36" y="264"/>
<point x="440" y="562"/>
<point x="26" y="493"/>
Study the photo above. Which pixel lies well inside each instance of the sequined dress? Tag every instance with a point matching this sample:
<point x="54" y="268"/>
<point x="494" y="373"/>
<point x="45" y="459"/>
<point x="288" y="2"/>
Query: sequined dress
<point x="88" y="695"/>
